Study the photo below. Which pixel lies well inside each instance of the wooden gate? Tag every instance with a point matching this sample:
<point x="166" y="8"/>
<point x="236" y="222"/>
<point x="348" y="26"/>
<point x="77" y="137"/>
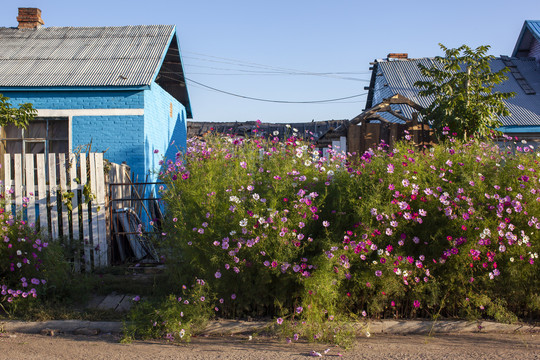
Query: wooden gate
<point x="64" y="195"/>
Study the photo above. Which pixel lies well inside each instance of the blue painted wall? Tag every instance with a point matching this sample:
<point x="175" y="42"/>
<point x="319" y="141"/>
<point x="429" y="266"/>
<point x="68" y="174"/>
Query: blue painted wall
<point x="129" y="138"/>
<point x="162" y="132"/>
<point x="132" y="99"/>
<point x="121" y="137"/>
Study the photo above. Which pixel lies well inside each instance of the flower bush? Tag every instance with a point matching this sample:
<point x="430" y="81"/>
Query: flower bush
<point x="274" y="227"/>
<point x="27" y="263"/>
<point x="174" y="318"/>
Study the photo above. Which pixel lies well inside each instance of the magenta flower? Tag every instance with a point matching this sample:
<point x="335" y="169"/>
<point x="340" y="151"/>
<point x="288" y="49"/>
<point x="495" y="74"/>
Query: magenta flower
<point x="416" y="303"/>
<point x="279" y="321"/>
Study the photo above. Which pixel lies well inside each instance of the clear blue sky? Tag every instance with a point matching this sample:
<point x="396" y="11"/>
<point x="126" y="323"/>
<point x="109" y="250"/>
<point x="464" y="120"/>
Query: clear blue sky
<point x="266" y="49"/>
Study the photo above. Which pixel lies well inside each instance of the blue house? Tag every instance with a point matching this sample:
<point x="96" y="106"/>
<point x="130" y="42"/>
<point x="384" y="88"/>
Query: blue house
<point x="122" y="89"/>
<point x="397" y="74"/>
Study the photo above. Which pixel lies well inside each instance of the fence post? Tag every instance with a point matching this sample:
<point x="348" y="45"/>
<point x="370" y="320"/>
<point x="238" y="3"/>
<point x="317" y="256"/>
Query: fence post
<point x="30" y="189"/>
<point x="7" y="181"/>
<point x="74" y="187"/>
<point x="53" y="196"/>
<point x="42" y="192"/>
<point x="84" y="216"/>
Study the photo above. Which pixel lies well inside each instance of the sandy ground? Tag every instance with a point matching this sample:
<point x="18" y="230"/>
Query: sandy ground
<point x="459" y="346"/>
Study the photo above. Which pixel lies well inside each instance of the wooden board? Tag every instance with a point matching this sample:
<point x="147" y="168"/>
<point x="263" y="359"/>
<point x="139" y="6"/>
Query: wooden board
<point x="8" y="190"/>
<point x="30" y="189"/>
<point x="62" y="207"/>
<point x="75" y="190"/>
<point x="42" y="191"/>
<point x="17" y="181"/>
<point x="53" y="196"/>
<point x="87" y="241"/>
<point x="101" y="218"/>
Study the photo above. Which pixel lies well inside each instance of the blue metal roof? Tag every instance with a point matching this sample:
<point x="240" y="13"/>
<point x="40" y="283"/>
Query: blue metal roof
<point x="399" y="76"/>
<point x="529" y="31"/>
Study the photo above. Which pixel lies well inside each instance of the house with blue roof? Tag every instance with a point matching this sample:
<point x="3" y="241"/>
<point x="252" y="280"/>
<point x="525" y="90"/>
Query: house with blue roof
<point x="528" y="44"/>
<point x="396" y="75"/>
<point x="122" y="89"/>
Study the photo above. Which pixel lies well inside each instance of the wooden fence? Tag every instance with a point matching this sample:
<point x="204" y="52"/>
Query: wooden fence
<point x="64" y="194"/>
<point x="369" y="135"/>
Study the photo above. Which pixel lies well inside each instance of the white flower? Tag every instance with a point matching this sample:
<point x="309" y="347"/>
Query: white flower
<point x="276" y="133"/>
<point x="19" y="252"/>
<point x="307" y="163"/>
<point x="243" y="222"/>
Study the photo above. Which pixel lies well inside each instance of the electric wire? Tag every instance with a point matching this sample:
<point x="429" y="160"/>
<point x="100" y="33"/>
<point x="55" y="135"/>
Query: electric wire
<point x="275" y="101"/>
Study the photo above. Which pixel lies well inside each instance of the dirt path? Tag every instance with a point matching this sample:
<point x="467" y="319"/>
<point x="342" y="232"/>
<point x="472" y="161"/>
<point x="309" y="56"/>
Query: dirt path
<point x="459" y="346"/>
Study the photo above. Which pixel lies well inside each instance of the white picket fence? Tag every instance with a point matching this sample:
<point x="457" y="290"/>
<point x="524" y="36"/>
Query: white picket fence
<point x="35" y="188"/>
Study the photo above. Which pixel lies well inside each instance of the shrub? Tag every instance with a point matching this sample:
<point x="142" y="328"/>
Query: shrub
<point x="272" y="226"/>
<point x="174" y="318"/>
<point x="30" y="265"/>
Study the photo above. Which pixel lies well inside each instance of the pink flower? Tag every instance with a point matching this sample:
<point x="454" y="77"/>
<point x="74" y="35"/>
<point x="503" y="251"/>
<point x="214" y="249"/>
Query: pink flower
<point x="416" y="303"/>
<point x="279" y="321"/>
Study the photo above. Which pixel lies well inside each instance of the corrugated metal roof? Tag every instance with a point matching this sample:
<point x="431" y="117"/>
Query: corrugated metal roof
<point x="82" y="56"/>
<point x="529" y="32"/>
<point x="401" y="75"/>
<point x="534" y="27"/>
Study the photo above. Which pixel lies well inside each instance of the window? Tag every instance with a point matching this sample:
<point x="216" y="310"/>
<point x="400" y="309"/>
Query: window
<point x="42" y="136"/>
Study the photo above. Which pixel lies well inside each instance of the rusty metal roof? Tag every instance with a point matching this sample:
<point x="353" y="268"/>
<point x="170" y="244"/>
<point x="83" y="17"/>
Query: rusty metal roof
<point x="82" y="56"/>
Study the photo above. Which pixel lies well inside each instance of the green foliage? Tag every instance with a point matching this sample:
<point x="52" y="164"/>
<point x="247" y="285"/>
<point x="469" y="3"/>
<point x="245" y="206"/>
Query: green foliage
<point x="31" y="267"/>
<point x="461" y="84"/>
<point x="276" y="230"/>
<point x="174" y="318"/>
<point x="19" y="116"/>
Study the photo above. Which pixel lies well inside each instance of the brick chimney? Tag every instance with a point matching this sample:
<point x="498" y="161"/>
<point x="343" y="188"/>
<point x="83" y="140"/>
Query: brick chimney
<point x="402" y="56"/>
<point x="29" y="18"/>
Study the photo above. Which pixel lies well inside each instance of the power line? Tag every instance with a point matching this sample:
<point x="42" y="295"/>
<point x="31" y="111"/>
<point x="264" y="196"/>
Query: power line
<point x="275" y="69"/>
<point x="275" y="101"/>
<point x="271" y="74"/>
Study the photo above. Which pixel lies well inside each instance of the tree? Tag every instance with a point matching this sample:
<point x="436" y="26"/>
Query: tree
<point x="19" y="116"/>
<point x="462" y="85"/>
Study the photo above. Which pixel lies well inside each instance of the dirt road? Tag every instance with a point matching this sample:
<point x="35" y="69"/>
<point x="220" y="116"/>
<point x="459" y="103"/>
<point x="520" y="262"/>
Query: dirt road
<point x="460" y="346"/>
